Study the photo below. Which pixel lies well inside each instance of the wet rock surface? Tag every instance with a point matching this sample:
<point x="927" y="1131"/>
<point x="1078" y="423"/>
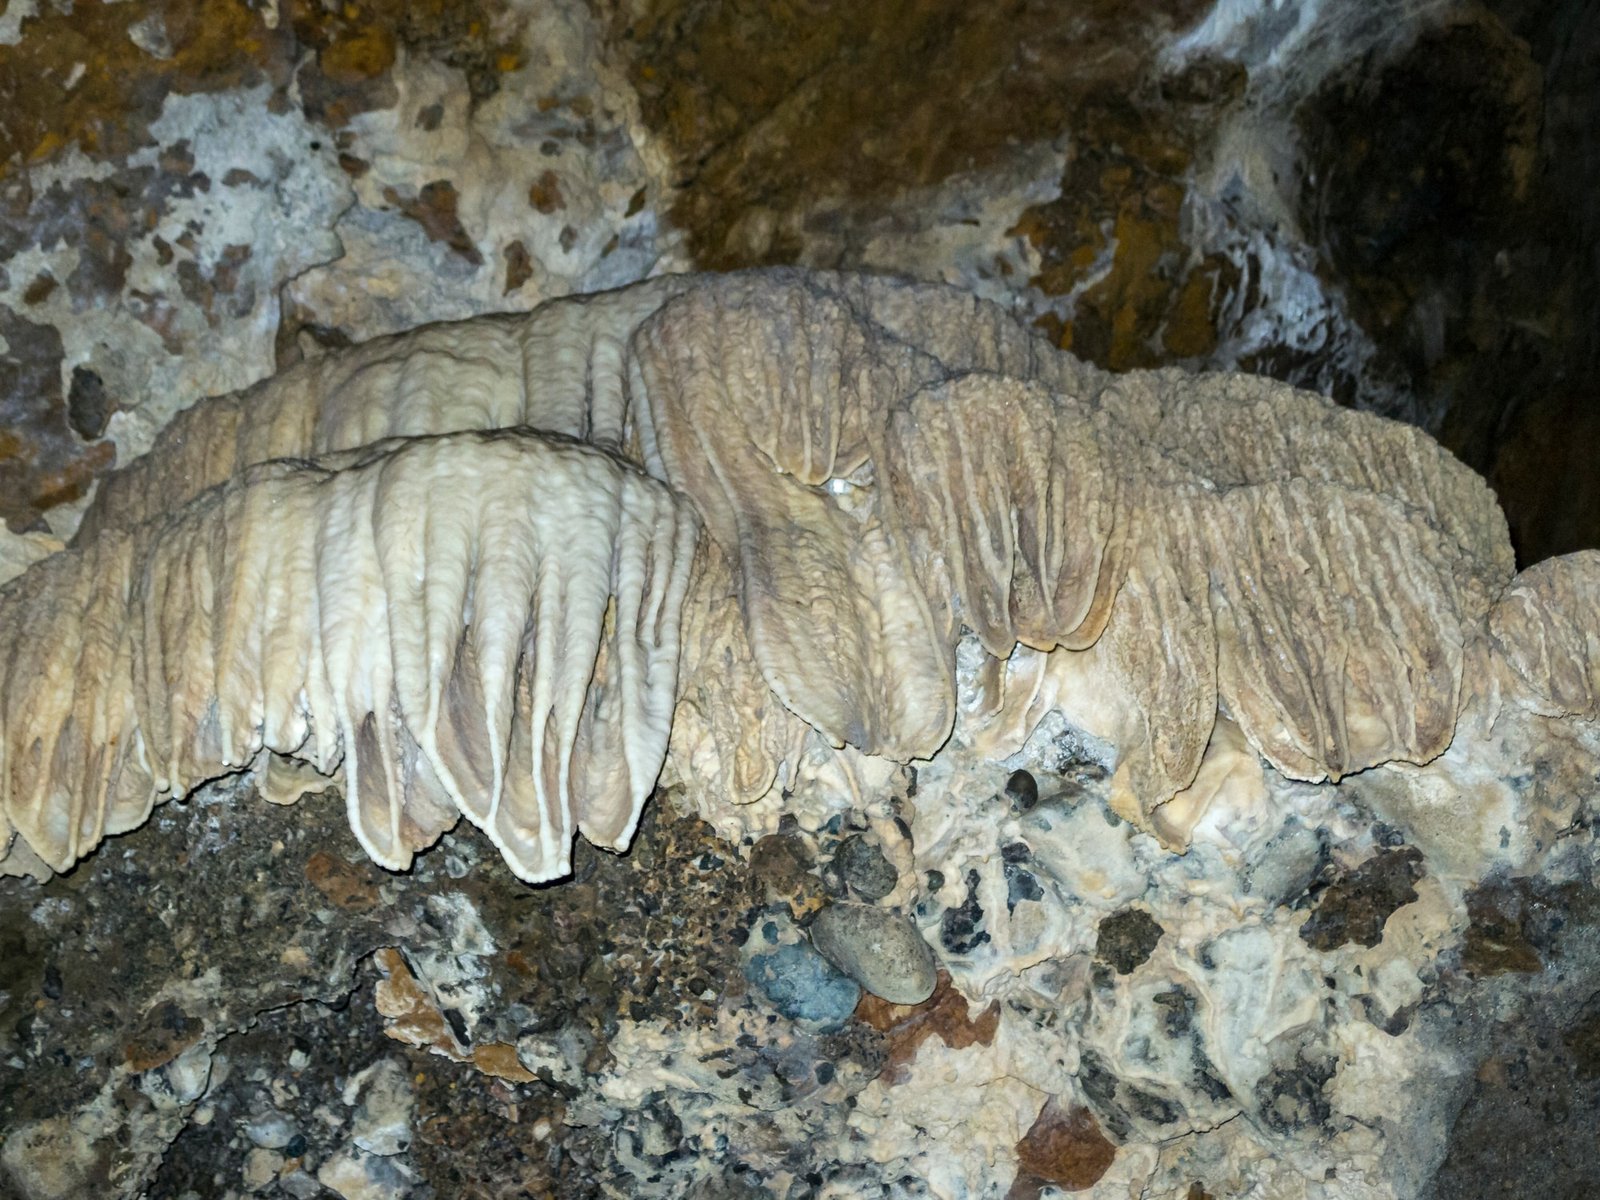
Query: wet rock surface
<point x="1394" y="210"/>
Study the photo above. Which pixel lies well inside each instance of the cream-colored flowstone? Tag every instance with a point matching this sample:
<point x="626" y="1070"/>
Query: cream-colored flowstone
<point x="877" y="465"/>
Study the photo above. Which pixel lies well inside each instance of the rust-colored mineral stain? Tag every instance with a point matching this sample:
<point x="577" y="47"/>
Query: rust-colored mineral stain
<point x="106" y="106"/>
<point x="944" y="1015"/>
<point x="91" y="86"/>
<point x="42" y="461"/>
<point x="764" y="107"/>
<point x="519" y="266"/>
<point x="544" y="193"/>
<point x="359" y="54"/>
<point x="166" y="1032"/>
<point x="1113" y="239"/>
<point x="413" y="1019"/>
<point x="344" y="884"/>
<point x="38" y="291"/>
<point x="1064" y="1147"/>
<point x="435" y="208"/>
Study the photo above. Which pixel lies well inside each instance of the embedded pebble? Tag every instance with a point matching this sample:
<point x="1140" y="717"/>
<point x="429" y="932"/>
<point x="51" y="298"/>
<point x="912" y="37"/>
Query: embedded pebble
<point x="1127" y="939"/>
<point x="261" y="1168"/>
<point x="382" y="1124"/>
<point x="189" y="1073"/>
<point x="881" y="950"/>
<point x="270" y="1130"/>
<point x="1023" y="791"/>
<point x="803" y="986"/>
<point x="864" y="868"/>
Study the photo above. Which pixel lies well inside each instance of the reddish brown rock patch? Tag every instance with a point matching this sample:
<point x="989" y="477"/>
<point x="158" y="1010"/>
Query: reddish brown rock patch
<point x="344" y="884"/>
<point x="944" y="1015"/>
<point x="414" y="1019"/>
<point x="770" y="109"/>
<point x="435" y="208"/>
<point x="166" y="1032"/>
<point x="42" y="461"/>
<point x="1064" y="1147"/>
<point x="1113" y="237"/>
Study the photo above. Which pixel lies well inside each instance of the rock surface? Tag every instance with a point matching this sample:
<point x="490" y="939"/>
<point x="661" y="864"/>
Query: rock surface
<point x="879" y="949"/>
<point x="1339" y="1002"/>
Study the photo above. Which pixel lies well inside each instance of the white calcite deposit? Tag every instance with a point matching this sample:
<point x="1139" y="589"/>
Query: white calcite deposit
<point x="1182" y="713"/>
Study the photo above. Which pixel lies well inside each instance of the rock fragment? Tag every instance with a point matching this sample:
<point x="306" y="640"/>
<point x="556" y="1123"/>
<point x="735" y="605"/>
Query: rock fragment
<point x="881" y="950"/>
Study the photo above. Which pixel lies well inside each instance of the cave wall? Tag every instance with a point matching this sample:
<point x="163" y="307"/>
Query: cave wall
<point x="1391" y="204"/>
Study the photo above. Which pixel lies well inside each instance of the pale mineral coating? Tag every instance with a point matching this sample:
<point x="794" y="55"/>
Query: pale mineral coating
<point x="1546" y="628"/>
<point x="399" y="617"/>
<point x="877" y="465"/>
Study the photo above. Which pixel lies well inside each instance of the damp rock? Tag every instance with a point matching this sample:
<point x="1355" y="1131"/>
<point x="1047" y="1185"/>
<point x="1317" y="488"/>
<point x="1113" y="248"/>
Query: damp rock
<point x="1355" y="908"/>
<point x="1127" y="939"/>
<point x="879" y="949"/>
<point x="863" y="866"/>
<point x="961" y="928"/>
<point x="803" y="986"/>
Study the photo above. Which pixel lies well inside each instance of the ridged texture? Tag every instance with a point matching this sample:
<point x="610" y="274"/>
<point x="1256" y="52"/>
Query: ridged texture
<point x="482" y="623"/>
<point x="769" y="399"/>
<point x="876" y="464"/>
<point x="1234" y="546"/>
<point x="558" y="368"/>
<point x="1546" y="628"/>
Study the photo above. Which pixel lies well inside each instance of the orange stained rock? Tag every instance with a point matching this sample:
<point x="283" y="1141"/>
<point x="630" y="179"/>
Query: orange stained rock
<point x="1064" y="1147"/>
<point x="415" y="1020"/>
<point x="944" y="1015"/>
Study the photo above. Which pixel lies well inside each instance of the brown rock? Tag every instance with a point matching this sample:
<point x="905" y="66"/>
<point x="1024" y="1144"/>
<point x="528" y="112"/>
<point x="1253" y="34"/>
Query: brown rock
<point x="944" y="1015"/>
<point x="544" y="193"/>
<point x="346" y="885"/>
<point x="166" y="1032"/>
<point x="435" y="209"/>
<point x="1064" y="1147"/>
<point x="519" y="266"/>
<point x="415" y="1020"/>
<point x="1355" y="908"/>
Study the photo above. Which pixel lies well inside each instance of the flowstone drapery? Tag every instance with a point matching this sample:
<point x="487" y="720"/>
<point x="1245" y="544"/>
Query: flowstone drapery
<point x="801" y="544"/>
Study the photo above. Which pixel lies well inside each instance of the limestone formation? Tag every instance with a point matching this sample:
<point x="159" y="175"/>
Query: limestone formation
<point x="398" y="617"/>
<point x="340" y="566"/>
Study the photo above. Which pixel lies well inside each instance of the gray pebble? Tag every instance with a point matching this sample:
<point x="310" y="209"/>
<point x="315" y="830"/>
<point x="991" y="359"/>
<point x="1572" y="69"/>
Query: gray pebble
<point x="865" y="868"/>
<point x="269" y="1129"/>
<point x="879" y="949"/>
